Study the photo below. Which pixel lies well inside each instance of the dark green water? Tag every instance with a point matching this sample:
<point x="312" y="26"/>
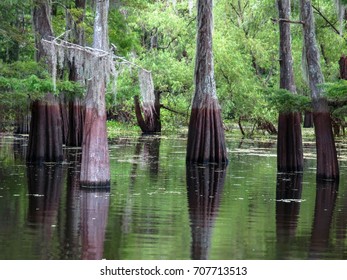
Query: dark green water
<point x="158" y="208"/>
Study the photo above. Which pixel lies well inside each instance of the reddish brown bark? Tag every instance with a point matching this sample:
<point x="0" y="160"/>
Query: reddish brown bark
<point x="327" y="164"/>
<point x="76" y="120"/>
<point x="23" y="123"/>
<point x="343" y="67"/>
<point x="45" y="138"/>
<point x="95" y="166"/>
<point x="308" y="119"/>
<point x="206" y="141"/>
<point x="289" y="138"/>
<point x="289" y="143"/>
<point x="64" y="118"/>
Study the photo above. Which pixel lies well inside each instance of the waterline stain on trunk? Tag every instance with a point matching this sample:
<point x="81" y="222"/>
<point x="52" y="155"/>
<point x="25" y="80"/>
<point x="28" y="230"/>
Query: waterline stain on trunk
<point x="45" y="138"/>
<point x="289" y="143"/>
<point x="206" y="140"/>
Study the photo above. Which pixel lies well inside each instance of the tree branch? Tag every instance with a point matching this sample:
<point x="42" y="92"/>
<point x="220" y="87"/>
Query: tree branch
<point x="277" y="20"/>
<point x="326" y="20"/>
<point x="172" y="110"/>
<point x="168" y="45"/>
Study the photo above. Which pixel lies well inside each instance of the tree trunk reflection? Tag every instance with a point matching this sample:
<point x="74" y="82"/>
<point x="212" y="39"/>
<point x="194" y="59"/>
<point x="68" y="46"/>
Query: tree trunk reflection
<point x="326" y="194"/>
<point x="44" y="191"/>
<point x="288" y="196"/>
<point x="95" y="205"/>
<point x="204" y="185"/>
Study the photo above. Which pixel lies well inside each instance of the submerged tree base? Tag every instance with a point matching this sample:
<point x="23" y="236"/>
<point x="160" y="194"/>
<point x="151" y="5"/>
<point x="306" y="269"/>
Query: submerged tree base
<point x="206" y="140"/>
<point x="327" y="164"/>
<point x="289" y="143"/>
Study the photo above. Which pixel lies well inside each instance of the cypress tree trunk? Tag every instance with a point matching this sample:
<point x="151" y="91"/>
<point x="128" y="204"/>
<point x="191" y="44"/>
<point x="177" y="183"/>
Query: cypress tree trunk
<point x="45" y="137"/>
<point x="95" y="167"/>
<point x="343" y="67"/>
<point x="76" y="121"/>
<point x="289" y="139"/>
<point x="149" y="122"/>
<point x="23" y="120"/>
<point x="206" y="141"/>
<point x="327" y="164"/>
<point x="308" y="119"/>
<point x="64" y="111"/>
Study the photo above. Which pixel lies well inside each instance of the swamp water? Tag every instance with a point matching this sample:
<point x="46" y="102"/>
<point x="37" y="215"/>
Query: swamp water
<point x="157" y="208"/>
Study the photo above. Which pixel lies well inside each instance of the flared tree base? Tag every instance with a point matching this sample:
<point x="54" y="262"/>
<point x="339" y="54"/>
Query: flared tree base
<point x="45" y="137"/>
<point x="327" y="164"/>
<point x="150" y="121"/>
<point x="206" y="140"/>
<point x="289" y="143"/>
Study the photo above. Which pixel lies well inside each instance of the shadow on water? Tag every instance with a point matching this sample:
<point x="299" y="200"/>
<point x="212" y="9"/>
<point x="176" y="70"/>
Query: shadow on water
<point x="326" y="193"/>
<point x="288" y="198"/>
<point x="204" y="186"/>
<point x="148" y="149"/>
<point x="44" y="191"/>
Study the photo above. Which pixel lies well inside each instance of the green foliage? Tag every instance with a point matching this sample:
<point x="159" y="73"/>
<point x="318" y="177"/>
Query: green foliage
<point x="16" y="35"/>
<point x="336" y="91"/>
<point x="285" y="101"/>
<point x="161" y="37"/>
<point x="122" y="34"/>
<point x="22" y="69"/>
<point x="117" y="129"/>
